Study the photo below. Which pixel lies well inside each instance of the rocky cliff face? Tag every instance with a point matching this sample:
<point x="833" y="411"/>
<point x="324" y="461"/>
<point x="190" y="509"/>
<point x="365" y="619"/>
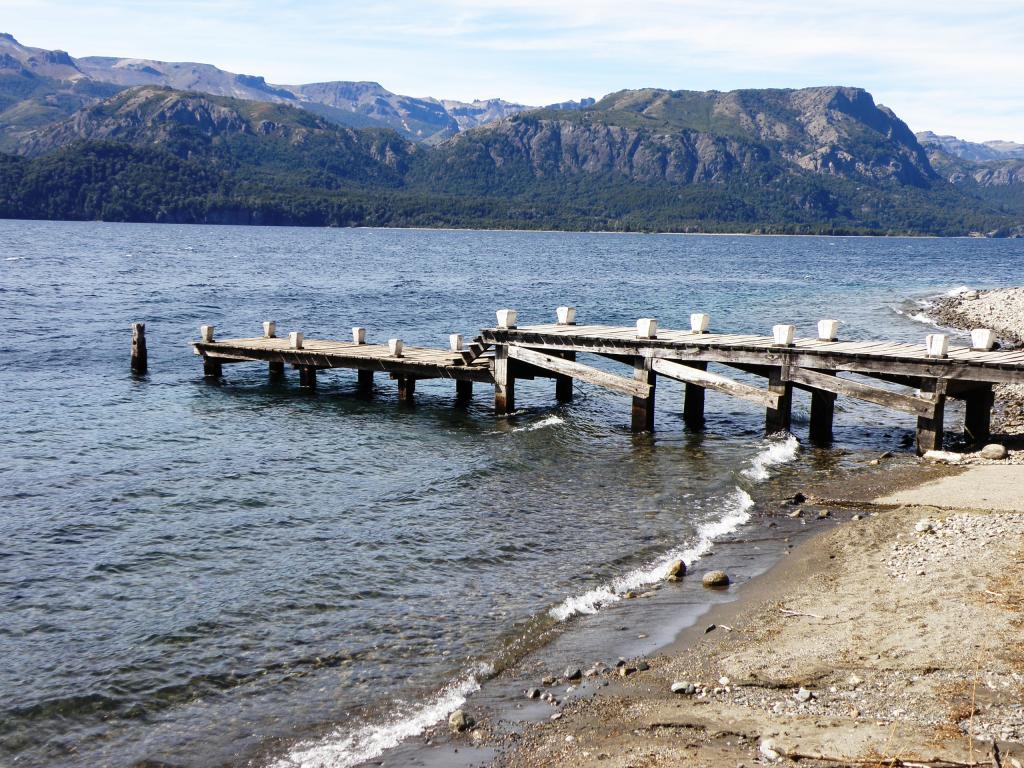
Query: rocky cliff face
<point x="686" y="137"/>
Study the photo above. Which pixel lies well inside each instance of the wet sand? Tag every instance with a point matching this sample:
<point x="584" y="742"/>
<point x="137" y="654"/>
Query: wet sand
<point x="894" y="638"/>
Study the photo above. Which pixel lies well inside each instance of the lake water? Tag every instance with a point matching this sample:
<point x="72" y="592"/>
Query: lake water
<point x="190" y="571"/>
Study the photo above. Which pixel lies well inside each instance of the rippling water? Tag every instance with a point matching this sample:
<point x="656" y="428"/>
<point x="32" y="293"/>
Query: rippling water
<point x="190" y="571"/>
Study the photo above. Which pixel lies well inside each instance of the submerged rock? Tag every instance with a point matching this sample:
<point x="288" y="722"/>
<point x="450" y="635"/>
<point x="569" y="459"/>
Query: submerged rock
<point x="676" y="569"/>
<point x="716" y="579"/>
<point x="533" y="693"/>
<point x="572" y="673"/>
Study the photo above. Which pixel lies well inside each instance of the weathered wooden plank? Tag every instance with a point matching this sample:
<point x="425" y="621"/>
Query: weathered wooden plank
<point x="579" y="371"/>
<point x="714" y="381"/>
<point x="917" y="406"/>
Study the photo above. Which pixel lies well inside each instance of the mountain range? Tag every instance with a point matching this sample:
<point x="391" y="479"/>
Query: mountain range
<point x="140" y="140"/>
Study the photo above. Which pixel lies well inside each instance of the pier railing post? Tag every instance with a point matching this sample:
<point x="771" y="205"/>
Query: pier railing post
<point x="563" y="384"/>
<point x="978" y="414"/>
<point x="693" y="400"/>
<point x="777" y="419"/>
<point x="823" y="409"/>
<point x="140" y="356"/>
<point x="929" y="430"/>
<point x="643" y="407"/>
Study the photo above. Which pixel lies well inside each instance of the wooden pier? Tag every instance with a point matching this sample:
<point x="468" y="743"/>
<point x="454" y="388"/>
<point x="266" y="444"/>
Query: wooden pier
<point x="912" y="378"/>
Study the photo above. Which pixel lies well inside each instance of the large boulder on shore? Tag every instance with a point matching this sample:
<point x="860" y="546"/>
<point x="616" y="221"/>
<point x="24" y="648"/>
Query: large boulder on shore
<point x="716" y="579"/>
<point x="994" y="451"/>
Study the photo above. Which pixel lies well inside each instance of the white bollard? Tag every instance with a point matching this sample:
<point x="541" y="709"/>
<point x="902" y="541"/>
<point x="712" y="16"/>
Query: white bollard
<point x="566" y="315"/>
<point x="359" y="335"/>
<point x="983" y="339"/>
<point x="647" y="328"/>
<point x="295" y="339"/>
<point x="269" y="329"/>
<point x="699" y="322"/>
<point x="206" y="333"/>
<point x="507" y="318"/>
<point x="784" y="334"/>
<point x="455" y="342"/>
<point x="395" y="347"/>
<point x="936" y="344"/>
<point x="828" y="330"/>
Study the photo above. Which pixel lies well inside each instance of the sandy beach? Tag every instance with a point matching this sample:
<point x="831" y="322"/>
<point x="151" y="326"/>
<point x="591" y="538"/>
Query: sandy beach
<point x="891" y="639"/>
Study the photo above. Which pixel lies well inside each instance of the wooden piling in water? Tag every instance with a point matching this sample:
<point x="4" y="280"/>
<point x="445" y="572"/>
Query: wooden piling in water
<point x="693" y="401"/>
<point x="929" y="428"/>
<point x="504" y="382"/>
<point x="563" y="383"/>
<point x="307" y="376"/>
<point x="140" y="355"/>
<point x="778" y="417"/>
<point x="978" y="405"/>
<point x="463" y="390"/>
<point x="406" y="389"/>
<point x="643" y="406"/>
<point x="365" y="382"/>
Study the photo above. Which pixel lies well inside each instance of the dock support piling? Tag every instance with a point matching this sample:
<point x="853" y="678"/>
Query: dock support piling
<point x="463" y="390"/>
<point x="365" y="382"/>
<point x="978" y="414"/>
<point x="307" y="376"/>
<point x="406" y="389"/>
<point x="212" y="369"/>
<point x="823" y="409"/>
<point x="276" y="369"/>
<point x="643" y="407"/>
<point x="140" y="357"/>
<point x="504" y="382"/>
<point x="563" y="384"/>
<point x="693" y="402"/>
<point x="778" y="419"/>
<point x="929" y="430"/>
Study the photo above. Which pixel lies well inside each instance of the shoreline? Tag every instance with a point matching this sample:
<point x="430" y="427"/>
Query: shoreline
<point x="861" y="644"/>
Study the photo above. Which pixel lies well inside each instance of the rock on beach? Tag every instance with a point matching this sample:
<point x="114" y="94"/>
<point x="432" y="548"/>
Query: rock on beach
<point x="716" y="579"/>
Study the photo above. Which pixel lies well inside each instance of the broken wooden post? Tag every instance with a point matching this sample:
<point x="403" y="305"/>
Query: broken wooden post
<point x="365" y="382"/>
<point x="307" y="376"/>
<point x="406" y="389"/>
<point x="295" y="339"/>
<point x="643" y="406"/>
<point x="783" y="335"/>
<point x="395" y="347"/>
<point x="455" y="342"/>
<point x="504" y="382"/>
<point x="828" y="330"/>
<point x="647" y="328"/>
<point x="269" y="329"/>
<point x="699" y="322"/>
<point x="983" y="339"/>
<point x="358" y="335"/>
<point x="978" y="414"/>
<point x="463" y="390"/>
<point x="563" y="384"/>
<point x="140" y="356"/>
<point x="929" y="429"/>
<point x="693" y="400"/>
<point x="777" y="417"/>
<point x="823" y="408"/>
<point x="507" y="318"/>
<point x="206" y="334"/>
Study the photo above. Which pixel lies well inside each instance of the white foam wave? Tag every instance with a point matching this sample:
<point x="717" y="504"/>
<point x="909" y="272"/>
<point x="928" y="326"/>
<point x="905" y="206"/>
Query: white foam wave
<point x="550" y="421"/>
<point x="736" y="505"/>
<point x="779" y="451"/>
<point x="342" y="750"/>
<point x="952" y="292"/>
<point x="13" y="258"/>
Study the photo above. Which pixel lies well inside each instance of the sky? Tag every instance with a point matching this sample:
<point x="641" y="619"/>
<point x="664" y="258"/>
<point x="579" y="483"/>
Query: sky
<point x="954" y="68"/>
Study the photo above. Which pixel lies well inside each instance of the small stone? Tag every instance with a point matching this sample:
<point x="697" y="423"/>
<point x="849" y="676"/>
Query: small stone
<point x="548" y="681"/>
<point x="459" y="721"/>
<point x="642" y="666"/>
<point x="556" y="716"/>
<point x="796" y="513"/>
<point x="677" y="569"/>
<point x="994" y="451"/>
<point x="682" y="686"/>
<point x="626" y="671"/>
<point x="716" y="579"/>
<point x="822" y="514"/>
<point x="710" y="628"/>
<point x="767" y="748"/>
<point x="803" y="695"/>
<point x="572" y="673"/>
<point x="857" y="517"/>
<point x="924" y="526"/>
<point x="799" y="498"/>
<point x="943" y="457"/>
<point x="854" y="681"/>
<point x="533" y="693"/>
<point x="723" y="680"/>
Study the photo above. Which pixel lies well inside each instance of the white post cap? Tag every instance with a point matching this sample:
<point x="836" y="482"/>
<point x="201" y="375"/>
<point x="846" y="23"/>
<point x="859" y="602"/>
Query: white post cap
<point x="358" y="335"/>
<point x="295" y="339"/>
<point x="783" y="334"/>
<point x="269" y="329"/>
<point x="507" y="318"/>
<point x="395" y="347"/>
<point x="828" y="330"/>
<point x="937" y="344"/>
<point x="566" y="315"/>
<point x="206" y="333"/>
<point x="699" y="322"/>
<point x="455" y="342"/>
<point x="647" y="328"/>
<point x="983" y="338"/>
